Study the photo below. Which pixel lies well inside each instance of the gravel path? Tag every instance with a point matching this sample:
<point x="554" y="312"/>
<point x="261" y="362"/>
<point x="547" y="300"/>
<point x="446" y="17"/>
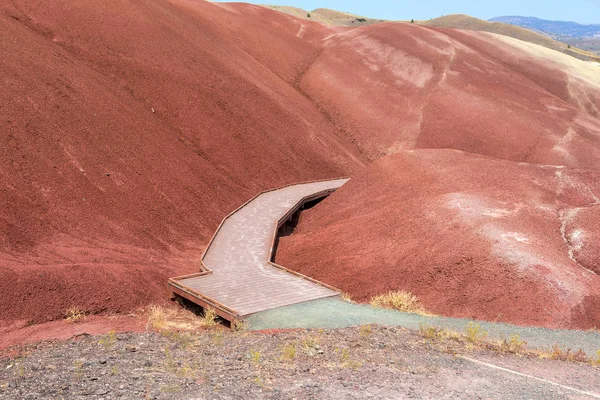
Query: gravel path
<point x="350" y="363"/>
<point x="336" y="313"/>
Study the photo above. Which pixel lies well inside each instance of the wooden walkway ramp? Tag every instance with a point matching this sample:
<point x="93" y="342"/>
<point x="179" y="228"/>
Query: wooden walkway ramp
<point x="238" y="277"/>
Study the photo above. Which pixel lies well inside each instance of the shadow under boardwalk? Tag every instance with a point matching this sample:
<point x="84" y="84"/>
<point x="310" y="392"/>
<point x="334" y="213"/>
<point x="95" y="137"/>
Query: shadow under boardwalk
<point x="238" y="278"/>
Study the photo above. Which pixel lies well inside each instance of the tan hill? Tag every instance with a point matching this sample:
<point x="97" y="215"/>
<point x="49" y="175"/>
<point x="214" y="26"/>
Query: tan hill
<point x="591" y="44"/>
<point x="341" y="18"/>
<point x="461" y="21"/>
<point x="456" y="21"/>
<point x="326" y="16"/>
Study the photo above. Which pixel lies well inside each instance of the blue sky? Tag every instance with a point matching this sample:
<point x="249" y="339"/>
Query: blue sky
<point x="582" y="11"/>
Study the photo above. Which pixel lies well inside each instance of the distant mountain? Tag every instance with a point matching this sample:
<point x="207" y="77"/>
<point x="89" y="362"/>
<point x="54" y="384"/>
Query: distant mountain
<point x="556" y="29"/>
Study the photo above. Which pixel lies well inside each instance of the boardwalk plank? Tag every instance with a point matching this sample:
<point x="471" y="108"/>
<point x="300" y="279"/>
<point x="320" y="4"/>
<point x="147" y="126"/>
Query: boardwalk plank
<point x="243" y="279"/>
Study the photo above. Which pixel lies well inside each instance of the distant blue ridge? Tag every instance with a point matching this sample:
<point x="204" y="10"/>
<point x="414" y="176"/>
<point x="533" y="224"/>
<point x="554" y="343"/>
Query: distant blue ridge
<point x="553" y="28"/>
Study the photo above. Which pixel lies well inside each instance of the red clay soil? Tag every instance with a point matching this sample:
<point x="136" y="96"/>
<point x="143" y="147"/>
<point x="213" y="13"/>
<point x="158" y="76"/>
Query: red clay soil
<point x="398" y="86"/>
<point x="61" y="330"/>
<point x="470" y="236"/>
<point x="129" y="128"/>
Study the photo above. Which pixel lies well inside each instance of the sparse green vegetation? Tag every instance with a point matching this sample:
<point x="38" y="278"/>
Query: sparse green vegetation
<point x="238" y="326"/>
<point x="307" y="15"/>
<point x="476" y="338"/>
<point x="513" y="345"/>
<point x="429" y="331"/>
<point x="20" y="370"/>
<point x="311" y="347"/>
<point x="345" y="355"/>
<point x="108" y="341"/>
<point x="184" y="339"/>
<point x="365" y="330"/>
<point x="258" y="380"/>
<point x="169" y="360"/>
<point x="475" y="334"/>
<point x="218" y="338"/>
<point x="172" y="388"/>
<point x="346" y="360"/>
<point x="78" y="368"/>
<point x="288" y="352"/>
<point x="274" y="364"/>
<point x="255" y="357"/>
<point x="175" y="366"/>
<point x="557" y="353"/>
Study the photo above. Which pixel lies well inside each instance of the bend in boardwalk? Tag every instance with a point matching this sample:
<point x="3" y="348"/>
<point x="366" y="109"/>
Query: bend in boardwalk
<point x="243" y="281"/>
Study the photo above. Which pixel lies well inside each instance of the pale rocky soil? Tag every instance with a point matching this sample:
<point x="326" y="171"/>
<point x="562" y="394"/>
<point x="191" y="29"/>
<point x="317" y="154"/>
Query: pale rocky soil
<point x="361" y="363"/>
<point x="576" y="69"/>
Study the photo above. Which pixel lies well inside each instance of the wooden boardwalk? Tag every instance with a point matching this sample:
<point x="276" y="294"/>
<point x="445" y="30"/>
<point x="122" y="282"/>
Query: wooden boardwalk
<point x="237" y="276"/>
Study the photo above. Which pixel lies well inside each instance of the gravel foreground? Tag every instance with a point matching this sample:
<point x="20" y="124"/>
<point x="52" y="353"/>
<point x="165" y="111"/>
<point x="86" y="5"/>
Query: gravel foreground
<point x="366" y="362"/>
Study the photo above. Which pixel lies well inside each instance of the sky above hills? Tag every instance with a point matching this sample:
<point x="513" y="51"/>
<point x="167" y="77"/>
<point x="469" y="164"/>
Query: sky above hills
<point x="582" y="11"/>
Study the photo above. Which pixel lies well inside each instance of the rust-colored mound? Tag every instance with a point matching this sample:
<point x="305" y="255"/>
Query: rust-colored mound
<point x="470" y="236"/>
<point x="128" y="130"/>
<point x="396" y="86"/>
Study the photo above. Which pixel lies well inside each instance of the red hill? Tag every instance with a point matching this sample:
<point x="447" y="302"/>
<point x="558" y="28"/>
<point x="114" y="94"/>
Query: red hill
<point x="470" y="236"/>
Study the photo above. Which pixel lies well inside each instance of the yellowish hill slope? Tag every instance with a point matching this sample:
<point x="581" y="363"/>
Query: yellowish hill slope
<point x="461" y="21"/>
<point x="457" y="21"/>
<point x="343" y="18"/>
<point x="326" y="16"/>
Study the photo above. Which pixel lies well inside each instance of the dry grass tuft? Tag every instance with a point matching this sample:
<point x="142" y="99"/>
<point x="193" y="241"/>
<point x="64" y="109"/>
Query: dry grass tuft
<point x="513" y="345"/>
<point x="557" y="353"/>
<point x="170" y="319"/>
<point x="431" y="332"/>
<point x="474" y="337"/>
<point x="474" y="333"/>
<point x="346" y="297"/>
<point x="74" y="315"/>
<point x="288" y="352"/>
<point x="401" y="301"/>
<point x="210" y="318"/>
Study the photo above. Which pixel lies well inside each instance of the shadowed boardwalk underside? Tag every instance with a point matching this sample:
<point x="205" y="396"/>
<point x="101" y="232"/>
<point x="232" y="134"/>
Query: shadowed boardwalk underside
<point x="238" y="278"/>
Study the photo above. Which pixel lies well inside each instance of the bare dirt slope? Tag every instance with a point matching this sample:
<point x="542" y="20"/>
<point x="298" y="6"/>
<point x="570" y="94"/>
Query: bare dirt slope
<point x="470" y="236"/>
<point x="395" y="86"/>
<point x="129" y="129"/>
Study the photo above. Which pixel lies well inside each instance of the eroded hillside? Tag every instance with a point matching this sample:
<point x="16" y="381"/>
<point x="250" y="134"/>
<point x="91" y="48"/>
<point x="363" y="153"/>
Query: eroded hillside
<point x="130" y="129"/>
